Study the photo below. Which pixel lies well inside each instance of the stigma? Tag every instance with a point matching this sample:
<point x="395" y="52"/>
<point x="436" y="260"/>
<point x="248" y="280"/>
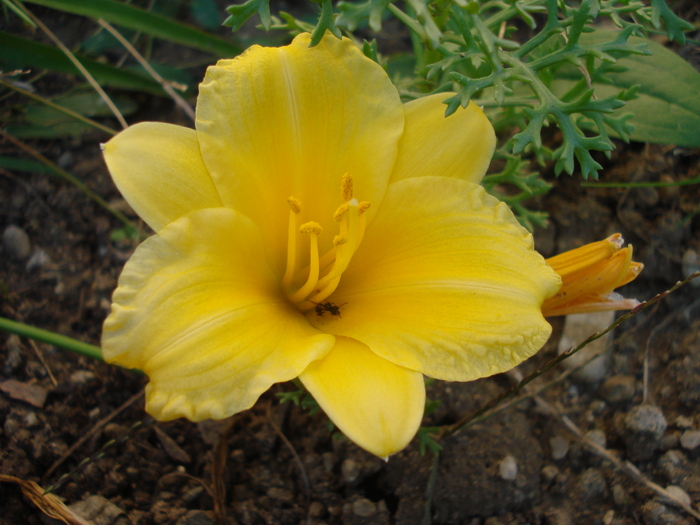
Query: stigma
<point x="309" y="286"/>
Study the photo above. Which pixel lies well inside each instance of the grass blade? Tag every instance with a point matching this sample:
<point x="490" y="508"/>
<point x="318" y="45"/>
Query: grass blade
<point x="150" y="23"/>
<point x="22" y="53"/>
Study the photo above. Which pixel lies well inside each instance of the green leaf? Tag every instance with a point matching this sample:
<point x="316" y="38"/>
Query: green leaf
<point x="41" y="121"/>
<point x="675" y="27"/>
<point x="21" y="53"/>
<point x="242" y="12"/>
<point x="325" y="22"/>
<point x="25" y="165"/>
<point x="667" y="109"/>
<point x="351" y="14"/>
<point x="150" y="23"/>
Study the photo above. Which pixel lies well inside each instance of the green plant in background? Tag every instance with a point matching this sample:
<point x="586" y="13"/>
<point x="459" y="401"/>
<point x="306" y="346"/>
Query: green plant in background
<point x="585" y="68"/>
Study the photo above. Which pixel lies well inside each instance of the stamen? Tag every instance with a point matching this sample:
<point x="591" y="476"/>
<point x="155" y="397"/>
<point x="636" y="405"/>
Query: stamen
<point x="346" y="187"/>
<point x="295" y="209"/>
<point x="314" y="229"/>
<point x="338" y="215"/>
<point x="351" y="221"/>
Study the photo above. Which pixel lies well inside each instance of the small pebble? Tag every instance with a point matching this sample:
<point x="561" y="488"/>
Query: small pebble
<point x="196" y="517"/>
<point x="329" y="461"/>
<point x="560" y="447"/>
<point x="578" y="327"/>
<point x="690" y="265"/>
<point x="609" y="517"/>
<point x="657" y="514"/>
<point x="30" y="420"/>
<point x="683" y="422"/>
<point x="690" y="439"/>
<point x="350" y="470"/>
<point x="679" y="494"/>
<point x="16" y="243"/>
<point x="549" y="472"/>
<point x="38" y="261"/>
<point x="364" y="508"/>
<point x="80" y="377"/>
<point x="591" y="484"/>
<point x="618" y="389"/>
<point x="317" y="510"/>
<point x="65" y="160"/>
<point x="13" y="355"/>
<point x="597" y="437"/>
<point x="620" y="496"/>
<point x="508" y="468"/>
<point x="97" y="509"/>
<point x="281" y="495"/>
<point x="646" y="425"/>
<point x="646" y="419"/>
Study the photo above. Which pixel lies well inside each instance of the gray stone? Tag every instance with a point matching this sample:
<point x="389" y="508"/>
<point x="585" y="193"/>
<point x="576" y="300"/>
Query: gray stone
<point x="678" y="493"/>
<point x="684" y="422"/>
<point x="549" y="472"/>
<point x="597" y="437"/>
<point x="673" y="465"/>
<point x="350" y="470"/>
<point x="16" y="243"/>
<point x="618" y="389"/>
<point x="691" y="264"/>
<point x="620" y="496"/>
<point x="80" y="377"/>
<point x="591" y="484"/>
<point x="364" y="508"/>
<point x="645" y="425"/>
<point x="196" y="517"/>
<point x="560" y="447"/>
<point x="99" y="510"/>
<point x="690" y="439"/>
<point x="656" y="513"/>
<point x="577" y="327"/>
<point x="38" y="261"/>
<point x="508" y="468"/>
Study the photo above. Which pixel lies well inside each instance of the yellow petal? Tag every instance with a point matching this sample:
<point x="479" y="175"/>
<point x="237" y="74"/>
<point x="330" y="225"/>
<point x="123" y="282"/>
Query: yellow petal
<point x="445" y="282"/>
<point x="199" y="310"/>
<point x="159" y="170"/>
<point x="460" y="145"/>
<point x="375" y="403"/>
<point x="276" y="122"/>
<point x="590" y="274"/>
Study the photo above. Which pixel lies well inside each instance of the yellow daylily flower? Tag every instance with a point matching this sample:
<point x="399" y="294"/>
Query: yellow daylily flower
<point x="314" y="227"/>
<point x="590" y="275"/>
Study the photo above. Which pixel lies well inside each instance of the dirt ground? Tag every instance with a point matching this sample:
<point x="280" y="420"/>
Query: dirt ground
<point x="276" y="464"/>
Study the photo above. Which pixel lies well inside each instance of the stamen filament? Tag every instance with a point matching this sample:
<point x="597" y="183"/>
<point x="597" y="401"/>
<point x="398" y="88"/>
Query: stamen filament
<point x="314" y="229"/>
<point x="351" y="224"/>
<point x="295" y="209"/>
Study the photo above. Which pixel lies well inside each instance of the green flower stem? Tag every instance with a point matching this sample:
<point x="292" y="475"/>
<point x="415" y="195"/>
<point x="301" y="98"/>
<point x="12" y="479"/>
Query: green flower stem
<point x="52" y="338"/>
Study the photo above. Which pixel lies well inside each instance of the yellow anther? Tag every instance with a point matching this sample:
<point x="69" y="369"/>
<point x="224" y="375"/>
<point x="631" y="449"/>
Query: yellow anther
<point x="339" y="239"/>
<point x="338" y="215"/>
<point x="363" y="207"/>
<point x="311" y="227"/>
<point x="346" y="187"/>
<point x="294" y="204"/>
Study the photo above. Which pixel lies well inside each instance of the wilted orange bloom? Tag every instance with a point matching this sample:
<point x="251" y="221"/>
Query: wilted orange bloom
<point x="589" y="275"/>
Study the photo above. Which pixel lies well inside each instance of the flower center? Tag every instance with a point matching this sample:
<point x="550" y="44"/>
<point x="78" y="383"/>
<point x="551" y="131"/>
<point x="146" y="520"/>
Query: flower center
<point x="322" y="275"/>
